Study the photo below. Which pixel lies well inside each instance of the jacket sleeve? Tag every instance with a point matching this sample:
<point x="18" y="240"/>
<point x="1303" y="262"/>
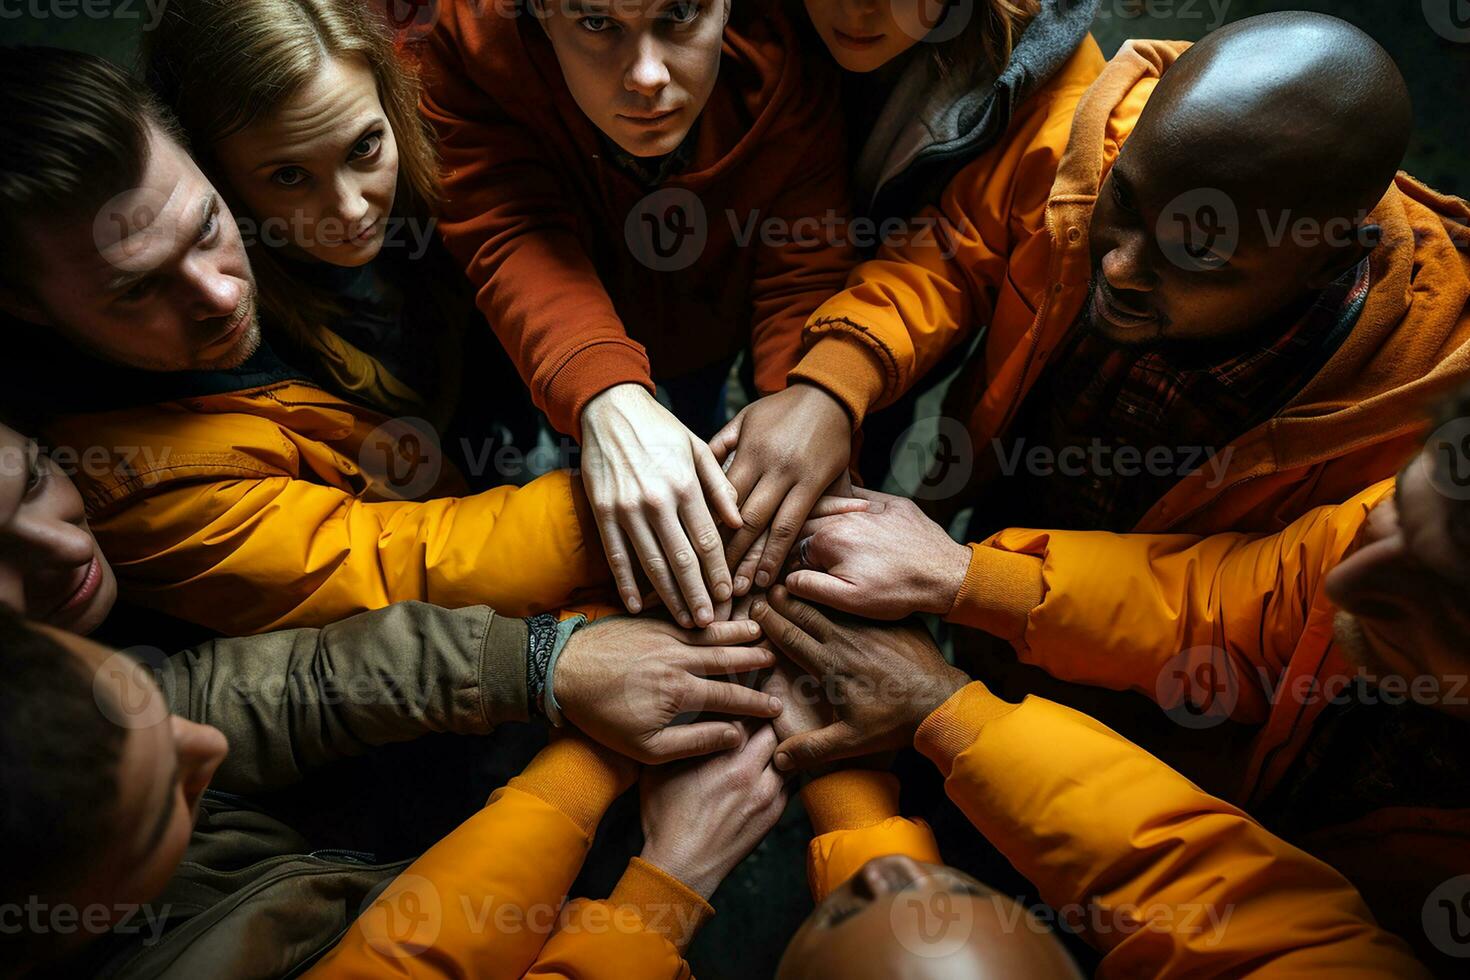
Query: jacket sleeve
<point x="252" y="555"/>
<point x="797" y="274"/>
<point x="482" y="902"/>
<point x="293" y="700"/>
<point x="1164" y="879"/>
<point x="931" y="287"/>
<point x="1147" y="612"/>
<point x="507" y="222"/>
<point x="855" y="818"/>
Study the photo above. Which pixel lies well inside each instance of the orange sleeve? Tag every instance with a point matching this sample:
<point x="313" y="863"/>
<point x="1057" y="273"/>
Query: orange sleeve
<point x="1166" y="880"/>
<point x="483" y="901"/>
<point x="507" y="221"/>
<point x="1140" y="611"/>
<point x="855" y="815"/>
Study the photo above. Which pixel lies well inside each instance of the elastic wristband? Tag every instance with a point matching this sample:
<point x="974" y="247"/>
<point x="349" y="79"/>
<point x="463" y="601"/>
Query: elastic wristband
<point x="540" y="642"/>
<point x="564" y="631"/>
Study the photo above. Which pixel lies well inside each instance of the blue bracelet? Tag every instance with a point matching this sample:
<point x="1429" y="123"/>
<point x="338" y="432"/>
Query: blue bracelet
<point x="564" y="631"/>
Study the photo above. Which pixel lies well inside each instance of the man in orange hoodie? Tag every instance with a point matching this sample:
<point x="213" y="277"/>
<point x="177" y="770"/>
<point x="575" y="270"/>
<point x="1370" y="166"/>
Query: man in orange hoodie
<point x="1340" y="641"/>
<point x="1201" y="313"/>
<point x="639" y="191"/>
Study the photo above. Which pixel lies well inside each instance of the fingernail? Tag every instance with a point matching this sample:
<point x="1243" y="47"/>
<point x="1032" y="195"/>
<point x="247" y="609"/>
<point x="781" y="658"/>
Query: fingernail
<point x="742" y="584"/>
<point x="722" y="592"/>
<point x="634" y="605"/>
<point x="704" y="615"/>
<point x="758" y="608"/>
<point x="752" y="627"/>
<point x="763" y="578"/>
<point x="783" y="761"/>
<point x="730" y="737"/>
<point x="685" y="621"/>
<point x="776" y="705"/>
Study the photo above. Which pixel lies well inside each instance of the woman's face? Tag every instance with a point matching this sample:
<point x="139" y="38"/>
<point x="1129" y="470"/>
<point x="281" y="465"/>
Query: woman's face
<point x="865" y="35"/>
<point x="320" y="173"/>
<point x="50" y="566"/>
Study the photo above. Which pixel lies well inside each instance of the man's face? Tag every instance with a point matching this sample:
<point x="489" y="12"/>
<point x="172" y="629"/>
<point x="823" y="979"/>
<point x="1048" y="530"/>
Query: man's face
<point x="1402" y="588"/>
<point x="1180" y="256"/>
<point x="51" y="569"/>
<point x="157" y="280"/>
<point x="641" y="70"/>
<point x="166" y="764"/>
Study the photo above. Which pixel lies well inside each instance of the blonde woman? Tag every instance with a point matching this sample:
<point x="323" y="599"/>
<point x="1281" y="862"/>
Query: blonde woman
<point x="305" y="114"/>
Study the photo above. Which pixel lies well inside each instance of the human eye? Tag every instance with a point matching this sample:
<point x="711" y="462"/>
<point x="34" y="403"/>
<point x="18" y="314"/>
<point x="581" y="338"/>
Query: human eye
<point x="289" y="177"/>
<point x="366" y="147"/>
<point x="1123" y="195"/>
<point x="683" y="12"/>
<point x="595" y="23"/>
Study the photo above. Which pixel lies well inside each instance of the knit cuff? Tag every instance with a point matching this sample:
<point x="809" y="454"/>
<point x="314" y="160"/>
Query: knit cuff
<point x="955" y="725"/>
<point x="846" y="370"/>
<point x="850" y="799"/>
<point x="664" y="903"/>
<point x="578" y="777"/>
<point x="1000" y="590"/>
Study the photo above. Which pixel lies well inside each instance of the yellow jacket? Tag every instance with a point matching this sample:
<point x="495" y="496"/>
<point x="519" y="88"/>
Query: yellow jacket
<point x="1013" y="254"/>
<point x="277" y="505"/>
<point x="1174" y="882"/>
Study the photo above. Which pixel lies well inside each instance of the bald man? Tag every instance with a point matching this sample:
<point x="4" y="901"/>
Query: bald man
<point x="1209" y="304"/>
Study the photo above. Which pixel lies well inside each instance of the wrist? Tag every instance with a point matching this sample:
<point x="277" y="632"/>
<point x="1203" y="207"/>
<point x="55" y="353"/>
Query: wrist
<point x="697" y="875"/>
<point x="821" y="400"/>
<point x="950" y="572"/>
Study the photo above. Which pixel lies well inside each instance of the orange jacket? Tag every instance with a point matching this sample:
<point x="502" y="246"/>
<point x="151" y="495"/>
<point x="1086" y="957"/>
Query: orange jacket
<point x="1162" y="878"/>
<point x="543" y="220"/>
<point x="1016" y="258"/>
<point x="274" y="507"/>
<point x="1229" y="625"/>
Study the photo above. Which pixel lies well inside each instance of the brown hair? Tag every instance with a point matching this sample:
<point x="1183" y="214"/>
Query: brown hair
<point x="991" y="35"/>
<point x="224" y="64"/>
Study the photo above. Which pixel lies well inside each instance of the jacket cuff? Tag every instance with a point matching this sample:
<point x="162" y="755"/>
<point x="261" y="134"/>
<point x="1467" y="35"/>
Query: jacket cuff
<point x="999" y="593"/>
<point x="850" y="799"/>
<point x="663" y="902"/>
<point x="846" y="370"/>
<point x="503" y="671"/>
<point x="578" y="777"/>
<point x="955" y="725"/>
<point x="588" y="373"/>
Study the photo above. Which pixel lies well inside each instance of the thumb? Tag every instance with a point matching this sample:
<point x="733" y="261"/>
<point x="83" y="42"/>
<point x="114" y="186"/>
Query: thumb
<point x="727" y="438"/>
<point x="717" y="487"/>
<point x="808" y="750"/>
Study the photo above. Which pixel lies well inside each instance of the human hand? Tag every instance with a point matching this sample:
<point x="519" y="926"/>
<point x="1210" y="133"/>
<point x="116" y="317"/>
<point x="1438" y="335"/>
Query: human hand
<point x="804" y="708"/>
<point x="789" y="448"/>
<point x="702" y="818"/>
<point x="882" y="680"/>
<point x="625" y="682"/>
<point x="651" y="482"/>
<point x="887" y="561"/>
<point x="830" y="505"/>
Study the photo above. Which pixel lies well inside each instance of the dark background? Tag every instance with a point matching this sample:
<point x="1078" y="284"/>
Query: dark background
<point x="763" y="901"/>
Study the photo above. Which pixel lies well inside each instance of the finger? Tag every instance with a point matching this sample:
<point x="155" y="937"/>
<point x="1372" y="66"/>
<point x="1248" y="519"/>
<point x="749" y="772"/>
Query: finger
<point x="717" y="487"/>
<point x="784" y="528"/>
<point x="727" y="438"/>
<point x="755" y="515"/>
<point x="706" y="539"/>
<point x="724" y="661"/>
<point x="725" y="634"/>
<point x="619" y="559"/>
<point x="728" y="699"/>
<point x="801" y="648"/>
<point x="808" y="618"/>
<point x="656" y="567"/>
<point x="686" y="741"/>
<point x="745" y="571"/>
<point x="760" y="747"/>
<point x="684" y="562"/>
<point x="833" y="506"/>
<point x="828" y="590"/>
<point x="810" y="749"/>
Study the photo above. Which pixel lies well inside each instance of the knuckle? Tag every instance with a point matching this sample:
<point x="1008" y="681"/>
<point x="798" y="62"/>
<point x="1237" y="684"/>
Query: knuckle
<point x="708" y="540"/>
<point x="683" y="559"/>
<point x="752" y="520"/>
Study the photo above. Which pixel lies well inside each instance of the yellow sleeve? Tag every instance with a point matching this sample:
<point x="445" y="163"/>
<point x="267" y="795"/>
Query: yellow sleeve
<point x="251" y="556"/>
<point x="482" y="902"/>
<point x="854" y="813"/>
<point x="641" y="930"/>
<point x="1166" y="880"/>
<point x="1161" y="614"/>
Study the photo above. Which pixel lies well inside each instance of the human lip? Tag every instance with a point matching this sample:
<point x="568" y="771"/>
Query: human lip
<point x="90" y="579"/>
<point x="650" y="119"/>
<point x="1105" y="305"/>
<point x="858" y="42"/>
<point x="231" y="332"/>
<point x="368" y="233"/>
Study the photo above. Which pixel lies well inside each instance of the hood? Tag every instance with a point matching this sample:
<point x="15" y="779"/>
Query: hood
<point x="933" y="124"/>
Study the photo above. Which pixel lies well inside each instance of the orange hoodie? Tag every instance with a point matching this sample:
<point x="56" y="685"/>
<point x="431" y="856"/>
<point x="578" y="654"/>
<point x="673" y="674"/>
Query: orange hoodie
<point x="1018" y="260"/>
<point x="544" y="222"/>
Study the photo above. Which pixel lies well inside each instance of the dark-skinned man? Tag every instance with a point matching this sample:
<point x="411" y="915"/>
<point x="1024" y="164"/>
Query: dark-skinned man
<point x="1210" y="304"/>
